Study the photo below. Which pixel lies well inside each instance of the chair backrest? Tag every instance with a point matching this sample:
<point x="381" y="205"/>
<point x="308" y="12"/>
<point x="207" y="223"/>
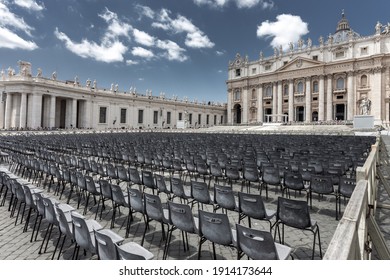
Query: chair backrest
<point x="256" y="244"/>
<point x="50" y="213"/>
<point x="177" y="187"/>
<point x="215" y="227"/>
<point x="160" y="183"/>
<point x="251" y="205"/>
<point x="251" y="173"/>
<point x="200" y="192"/>
<point x="148" y="179"/>
<point x="224" y="197"/>
<point x="135" y="178"/>
<point x="105" y="188"/>
<point x="111" y="171"/>
<point x="181" y="216"/>
<point x="29" y="199"/>
<point x="346" y="186"/>
<point x="294" y="213"/>
<point x="122" y="173"/>
<point x="118" y="195"/>
<point x="90" y="184"/>
<point x="106" y="248"/>
<point x="81" y="232"/>
<point x="153" y="207"/>
<point x="136" y="201"/>
<point x="39" y="202"/>
<point x="271" y="175"/>
<point x="64" y="221"/>
<point x="293" y="180"/>
<point x="321" y="184"/>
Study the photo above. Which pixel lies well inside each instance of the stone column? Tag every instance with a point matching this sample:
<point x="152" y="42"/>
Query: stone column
<point x="321" y="99"/>
<point x="87" y="114"/>
<point x="23" y="110"/>
<point x="274" y="100"/>
<point x="280" y="101"/>
<point x="8" y="111"/>
<point x="245" y="111"/>
<point x="308" y="100"/>
<point x="52" y="111"/>
<point x="291" y="117"/>
<point x="329" y="101"/>
<point x="36" y="114"/>
<point x="260" y="111"/>
<point x="230" y="108"/>
<point x="73" y="121"/>
<point x="2" y="110"/>
<point x="350" y="96"/>
<point x="376" y="96"/>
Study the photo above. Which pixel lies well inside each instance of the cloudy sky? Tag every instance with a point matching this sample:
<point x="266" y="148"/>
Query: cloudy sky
<point x="179" y="47"/>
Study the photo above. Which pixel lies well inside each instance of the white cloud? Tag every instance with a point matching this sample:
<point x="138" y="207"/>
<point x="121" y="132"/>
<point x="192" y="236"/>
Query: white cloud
<point x="10" y="24"/>
<point x="173" y="50"/>
<point x="110" y="49"/>
<point x="11" y="40"/>
<point x="287" y="28"/>
<point x="195" y="38"/>
<point x="131" y="62"/>
<point x="107" y="52"/>
<point x="30" y="5"/>
<point x="239" y="3"/>
<point x="143" y="38"/>
<point x="141" y="52"/>
<point x="219" y="53"/>
<point x="144" y="11"/>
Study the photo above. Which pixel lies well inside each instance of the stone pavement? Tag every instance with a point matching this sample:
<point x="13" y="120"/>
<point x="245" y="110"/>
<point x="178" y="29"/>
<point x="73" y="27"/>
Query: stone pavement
<point x="15" y="244"/>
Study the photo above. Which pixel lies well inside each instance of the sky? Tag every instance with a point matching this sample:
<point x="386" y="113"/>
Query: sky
<point x="177" y="47"/>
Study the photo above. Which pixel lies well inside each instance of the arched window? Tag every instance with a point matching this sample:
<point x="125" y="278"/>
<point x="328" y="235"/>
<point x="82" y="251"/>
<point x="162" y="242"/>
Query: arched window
<point x="253" y="94"/>
<point x="268" y="91"/>
<point x="285" y="90"/>
<point x="237" y="95"/>
<point x="315" y="86"/>
<point x="340" y="83"/>
<point x="363" y="81"/>
<point x="300" y="87"/>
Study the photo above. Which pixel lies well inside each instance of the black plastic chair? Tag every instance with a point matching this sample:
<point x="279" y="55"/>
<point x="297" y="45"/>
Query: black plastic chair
<point x="201" y="194"/>
<point x="259" y="245"/>
<point x="270" y="177"/>
<point x="296" y="214"/>
<point x="224" y="198"/>
<point x="293" y="181"/>
<point x="322" y="185"/>
<point x="179" y="190"/>
<point x="345" y="189"/>
<point x="215" y="227"/>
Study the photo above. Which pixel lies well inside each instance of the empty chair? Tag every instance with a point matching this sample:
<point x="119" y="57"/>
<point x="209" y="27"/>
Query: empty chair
<point x="179" y="190"/>
<point x="133" y="251"/>
<point x="293" y="181"/>
<point x="136" y="203"/>
<point x="216" y="172"/>
<point x="181" y="218"/>
<point x="345" y="189"/>
<point x="66" y="227"/>
<point x="295" y="214"/>
<point x="123" y="175"/>
<point x="270" y="177"/>
<point x="155" y="211"/>
<point x="250" y="175"/>
<point x="84" y="234"/>
<point x="31" y="203"/>
<point x="200" y="194"/>
<point x="148" y="181"/>
<point x="135" y="177"/>
<point x="119" y="198"/>
<point x="322" y="185"/>
<point x="215" y="227"/>
<point x="51" y="218"/>
<point x="162" y="187"/>
<point x="93" y="189"/>
<point x="224" y="198"/>
<point x="252" y="206"/>
<point x="259" y="245"/>
<point x="106" y="194"/>
<point x="232" y="173"/>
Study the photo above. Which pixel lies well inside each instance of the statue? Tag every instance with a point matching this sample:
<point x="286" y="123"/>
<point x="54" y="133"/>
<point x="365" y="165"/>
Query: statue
<point x="309" y="43"/>
<point x="54" y="75"/>
<point x="39" y="73"/>
<point x="94" y="84"/>
<point x="112" y="87"/>
<point x="76" y="81"/>
<point x="300" y="44"/>
<point x="2" y="74"/>
<point x="365" y="106"/>
<point x="88" y="83"/>
<point x="291" y="45"/>
<point x="378" y="27"/>
<point x="321" y="41"/>
<point x="116" y="87"/>
<point x="261" y="55"/>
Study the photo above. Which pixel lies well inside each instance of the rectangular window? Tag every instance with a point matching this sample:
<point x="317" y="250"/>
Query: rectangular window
<point x="253" y="71"/>
<point x="339" y="96"/>
<point x="215" y="119"/>
<point x="315" y="98"/>
<point x="221" y="119"/>
<point x="123" y="115"/>
<point x="180" y="116"/>
<point x="190" y="118"/>
<point x="340" y="54"/>
<point x="155" y="117"/>
<point x="364" y="50"/>
<point x="207" y="119"/>
<point x="267" y="67"/>
<point x="103" y="115"/>
<point x="285" y="62"/>
<point x="238" y="72"/>
<point x="315" y="57"/>
<point x="199" y="119"/>
<point x="140" y="116"/>
<point x="168" y="117"/>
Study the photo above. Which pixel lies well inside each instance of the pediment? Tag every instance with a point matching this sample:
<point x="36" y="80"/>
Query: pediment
<point x="300" y="63"/>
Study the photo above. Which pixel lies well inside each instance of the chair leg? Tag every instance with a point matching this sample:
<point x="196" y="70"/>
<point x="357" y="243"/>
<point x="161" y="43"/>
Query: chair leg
<point x="58" y="242"/>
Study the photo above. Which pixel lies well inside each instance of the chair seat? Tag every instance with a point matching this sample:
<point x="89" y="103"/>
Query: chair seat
<point x="116" y="238"/>
<point x="136" y="249"/>
<point x="283" y="251"/>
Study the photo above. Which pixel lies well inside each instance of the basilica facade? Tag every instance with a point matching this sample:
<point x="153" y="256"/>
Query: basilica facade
<point x="34" y="102"/>
<point x="345" y="75"/>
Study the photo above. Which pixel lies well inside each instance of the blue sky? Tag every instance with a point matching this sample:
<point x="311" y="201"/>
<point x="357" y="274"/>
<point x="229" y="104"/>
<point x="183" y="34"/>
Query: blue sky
<point x="179" y="47"/>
